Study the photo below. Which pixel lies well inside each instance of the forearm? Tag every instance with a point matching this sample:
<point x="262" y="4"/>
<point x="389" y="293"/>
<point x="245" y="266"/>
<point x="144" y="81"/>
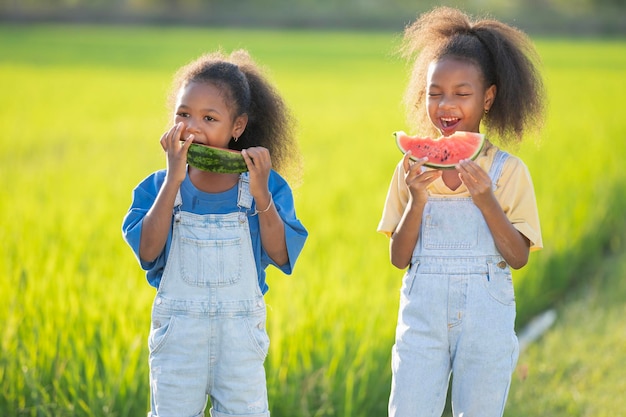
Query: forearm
<point x="157" y="222"/>
<point x="512" y="245"/>
<point x="404" y="238"/>
<point x="273" y="237"/>
<point x="272" y="230"/>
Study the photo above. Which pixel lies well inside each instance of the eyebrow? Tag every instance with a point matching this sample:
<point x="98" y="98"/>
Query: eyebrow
<point x="209" y="110"/>
<point x="455" y="86"/>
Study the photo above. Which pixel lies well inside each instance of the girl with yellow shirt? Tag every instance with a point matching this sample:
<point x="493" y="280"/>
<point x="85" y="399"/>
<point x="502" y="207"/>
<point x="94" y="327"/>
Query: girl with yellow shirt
<point x="459" y="232"/>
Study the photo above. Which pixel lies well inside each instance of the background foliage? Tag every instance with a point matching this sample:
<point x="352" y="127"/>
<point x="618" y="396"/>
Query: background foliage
<point x="574" y="17"/>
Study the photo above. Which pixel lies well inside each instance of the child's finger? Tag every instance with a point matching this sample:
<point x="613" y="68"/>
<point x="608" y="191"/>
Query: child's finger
<point x="247" y="159"/>
<point x="168" y="138"/>
<point x="413" y="165"/>
<point x="257" y="157"/>
<point x="163" y="140"/>
<point x="406" y="161"/>
<point x="470" y="170"/>
<point x="178" y="132"/>
<point x="187" y="143"/>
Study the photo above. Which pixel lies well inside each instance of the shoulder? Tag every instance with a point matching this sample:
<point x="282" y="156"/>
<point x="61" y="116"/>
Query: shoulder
<point x="147" y="190"/>
<point x="153" y="182"/>
<point x="514" y="166"/>
<point x="277" y="183"/>
<point x="512" y="163"/>
<point x="281" y="191"/>
<point x="514" y="176"/>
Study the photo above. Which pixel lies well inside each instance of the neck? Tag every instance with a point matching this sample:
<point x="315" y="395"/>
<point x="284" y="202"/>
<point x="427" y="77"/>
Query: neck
<point x="212" y="182"/>
<point x="451" y="178"/>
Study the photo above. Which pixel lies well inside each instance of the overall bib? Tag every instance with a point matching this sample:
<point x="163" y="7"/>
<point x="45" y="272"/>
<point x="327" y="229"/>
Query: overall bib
<point x="457" y="315"/>
<point x="208" y="335"/>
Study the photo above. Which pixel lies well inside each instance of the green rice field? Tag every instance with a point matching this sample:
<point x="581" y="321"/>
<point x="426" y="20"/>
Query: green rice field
<point x="82" y="109"/>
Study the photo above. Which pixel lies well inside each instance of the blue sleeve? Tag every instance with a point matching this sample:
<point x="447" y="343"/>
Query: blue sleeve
<point x="295" y="233"/>
<point x="143" y="198"/>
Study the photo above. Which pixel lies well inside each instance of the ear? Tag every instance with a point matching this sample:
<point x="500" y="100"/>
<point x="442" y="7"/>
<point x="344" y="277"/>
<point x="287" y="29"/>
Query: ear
<point x="490" y="96"/>
<point x="240" y="124"/>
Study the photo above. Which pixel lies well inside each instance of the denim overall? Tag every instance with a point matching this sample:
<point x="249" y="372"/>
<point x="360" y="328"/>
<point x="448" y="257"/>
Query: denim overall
<point x="208" y="333"/>
<point x="457" y="314"/>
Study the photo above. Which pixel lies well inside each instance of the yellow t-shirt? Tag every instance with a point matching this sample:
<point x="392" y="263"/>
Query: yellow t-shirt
<point x="514" y="192"/>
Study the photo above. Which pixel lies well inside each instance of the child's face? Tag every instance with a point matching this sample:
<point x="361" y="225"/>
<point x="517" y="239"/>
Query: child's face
<point x="204" y="111"/>
<point x="456" y="95"/>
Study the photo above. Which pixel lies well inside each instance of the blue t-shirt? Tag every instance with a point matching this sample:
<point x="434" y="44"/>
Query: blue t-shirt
<point x="199" y="202"/>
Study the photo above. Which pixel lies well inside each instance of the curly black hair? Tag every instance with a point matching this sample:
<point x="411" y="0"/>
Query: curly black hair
<point x="505" y="56"/>
<point x="248" y="90"/>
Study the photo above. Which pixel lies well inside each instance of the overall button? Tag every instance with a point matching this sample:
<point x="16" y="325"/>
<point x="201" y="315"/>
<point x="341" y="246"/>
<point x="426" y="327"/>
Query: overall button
<point x="158" y="301"/>
<point x="501" y="264"/>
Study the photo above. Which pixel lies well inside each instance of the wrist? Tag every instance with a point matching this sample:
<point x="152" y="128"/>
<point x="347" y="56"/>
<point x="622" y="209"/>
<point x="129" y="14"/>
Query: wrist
<point x="173" y="179"/>
<point x="264" y="205"/>
<point x="416" y="204"/>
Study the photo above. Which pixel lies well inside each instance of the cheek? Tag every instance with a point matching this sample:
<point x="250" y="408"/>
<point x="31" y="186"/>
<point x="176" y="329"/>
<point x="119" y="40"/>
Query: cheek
<point x="431" y="108"/>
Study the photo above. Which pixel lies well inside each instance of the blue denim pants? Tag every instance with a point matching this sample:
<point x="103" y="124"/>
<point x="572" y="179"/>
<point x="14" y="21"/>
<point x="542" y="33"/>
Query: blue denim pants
<point x="456" y="317"/>
<point x="208" y="337"/>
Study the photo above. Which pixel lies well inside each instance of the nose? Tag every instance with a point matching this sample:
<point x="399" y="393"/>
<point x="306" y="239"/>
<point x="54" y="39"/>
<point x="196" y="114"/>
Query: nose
<point x="446" y="103"/>
<point x="191" y="126"/>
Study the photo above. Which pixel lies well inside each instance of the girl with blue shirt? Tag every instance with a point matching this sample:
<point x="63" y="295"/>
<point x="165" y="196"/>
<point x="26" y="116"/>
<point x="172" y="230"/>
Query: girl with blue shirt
<point x="205" y="239"/>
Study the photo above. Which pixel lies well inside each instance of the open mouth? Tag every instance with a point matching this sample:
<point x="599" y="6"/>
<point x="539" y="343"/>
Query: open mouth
<point x="449" y="122"/>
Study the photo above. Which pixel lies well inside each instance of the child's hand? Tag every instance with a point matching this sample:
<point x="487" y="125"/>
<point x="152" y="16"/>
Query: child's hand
<point x="176" y="152"/>
<point x="259" y="165"/>
<point x="476" y="180"/>
<point x="417" y="179"/>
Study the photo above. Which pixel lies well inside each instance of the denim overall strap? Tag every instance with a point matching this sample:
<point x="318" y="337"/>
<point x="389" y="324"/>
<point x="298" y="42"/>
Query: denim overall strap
<point x="178" y="203"/>
<point x="496" y="166"/>
<point x="244" y="198"/>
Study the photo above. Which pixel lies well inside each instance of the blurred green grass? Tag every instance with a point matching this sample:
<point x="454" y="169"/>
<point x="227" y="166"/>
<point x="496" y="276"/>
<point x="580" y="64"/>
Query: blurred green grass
<point x="574" y="370"/>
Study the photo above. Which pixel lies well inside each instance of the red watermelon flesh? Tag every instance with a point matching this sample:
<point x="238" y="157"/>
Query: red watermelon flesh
<point x="445" y="151"/>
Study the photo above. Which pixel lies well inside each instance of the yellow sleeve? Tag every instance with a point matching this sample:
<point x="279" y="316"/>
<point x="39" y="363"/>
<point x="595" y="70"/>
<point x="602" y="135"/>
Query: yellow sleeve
<point x="395" y="203"/>
<point x="516" y="195"/>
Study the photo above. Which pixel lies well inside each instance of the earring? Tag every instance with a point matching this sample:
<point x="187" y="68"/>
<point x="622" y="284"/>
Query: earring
<point x="235" y="138"/>
<point x="486" y="111"/>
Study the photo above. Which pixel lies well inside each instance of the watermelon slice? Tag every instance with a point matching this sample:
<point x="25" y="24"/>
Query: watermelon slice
<point x="209" y="158"/>
<point x="444" y="152"/>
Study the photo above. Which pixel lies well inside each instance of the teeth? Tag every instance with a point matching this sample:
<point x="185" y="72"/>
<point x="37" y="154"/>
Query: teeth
<point x="447" y="121"/>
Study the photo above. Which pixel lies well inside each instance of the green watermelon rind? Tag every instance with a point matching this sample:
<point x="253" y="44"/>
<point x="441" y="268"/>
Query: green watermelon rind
<point x="434" y="164"/>
<point x="212" y="159"/>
